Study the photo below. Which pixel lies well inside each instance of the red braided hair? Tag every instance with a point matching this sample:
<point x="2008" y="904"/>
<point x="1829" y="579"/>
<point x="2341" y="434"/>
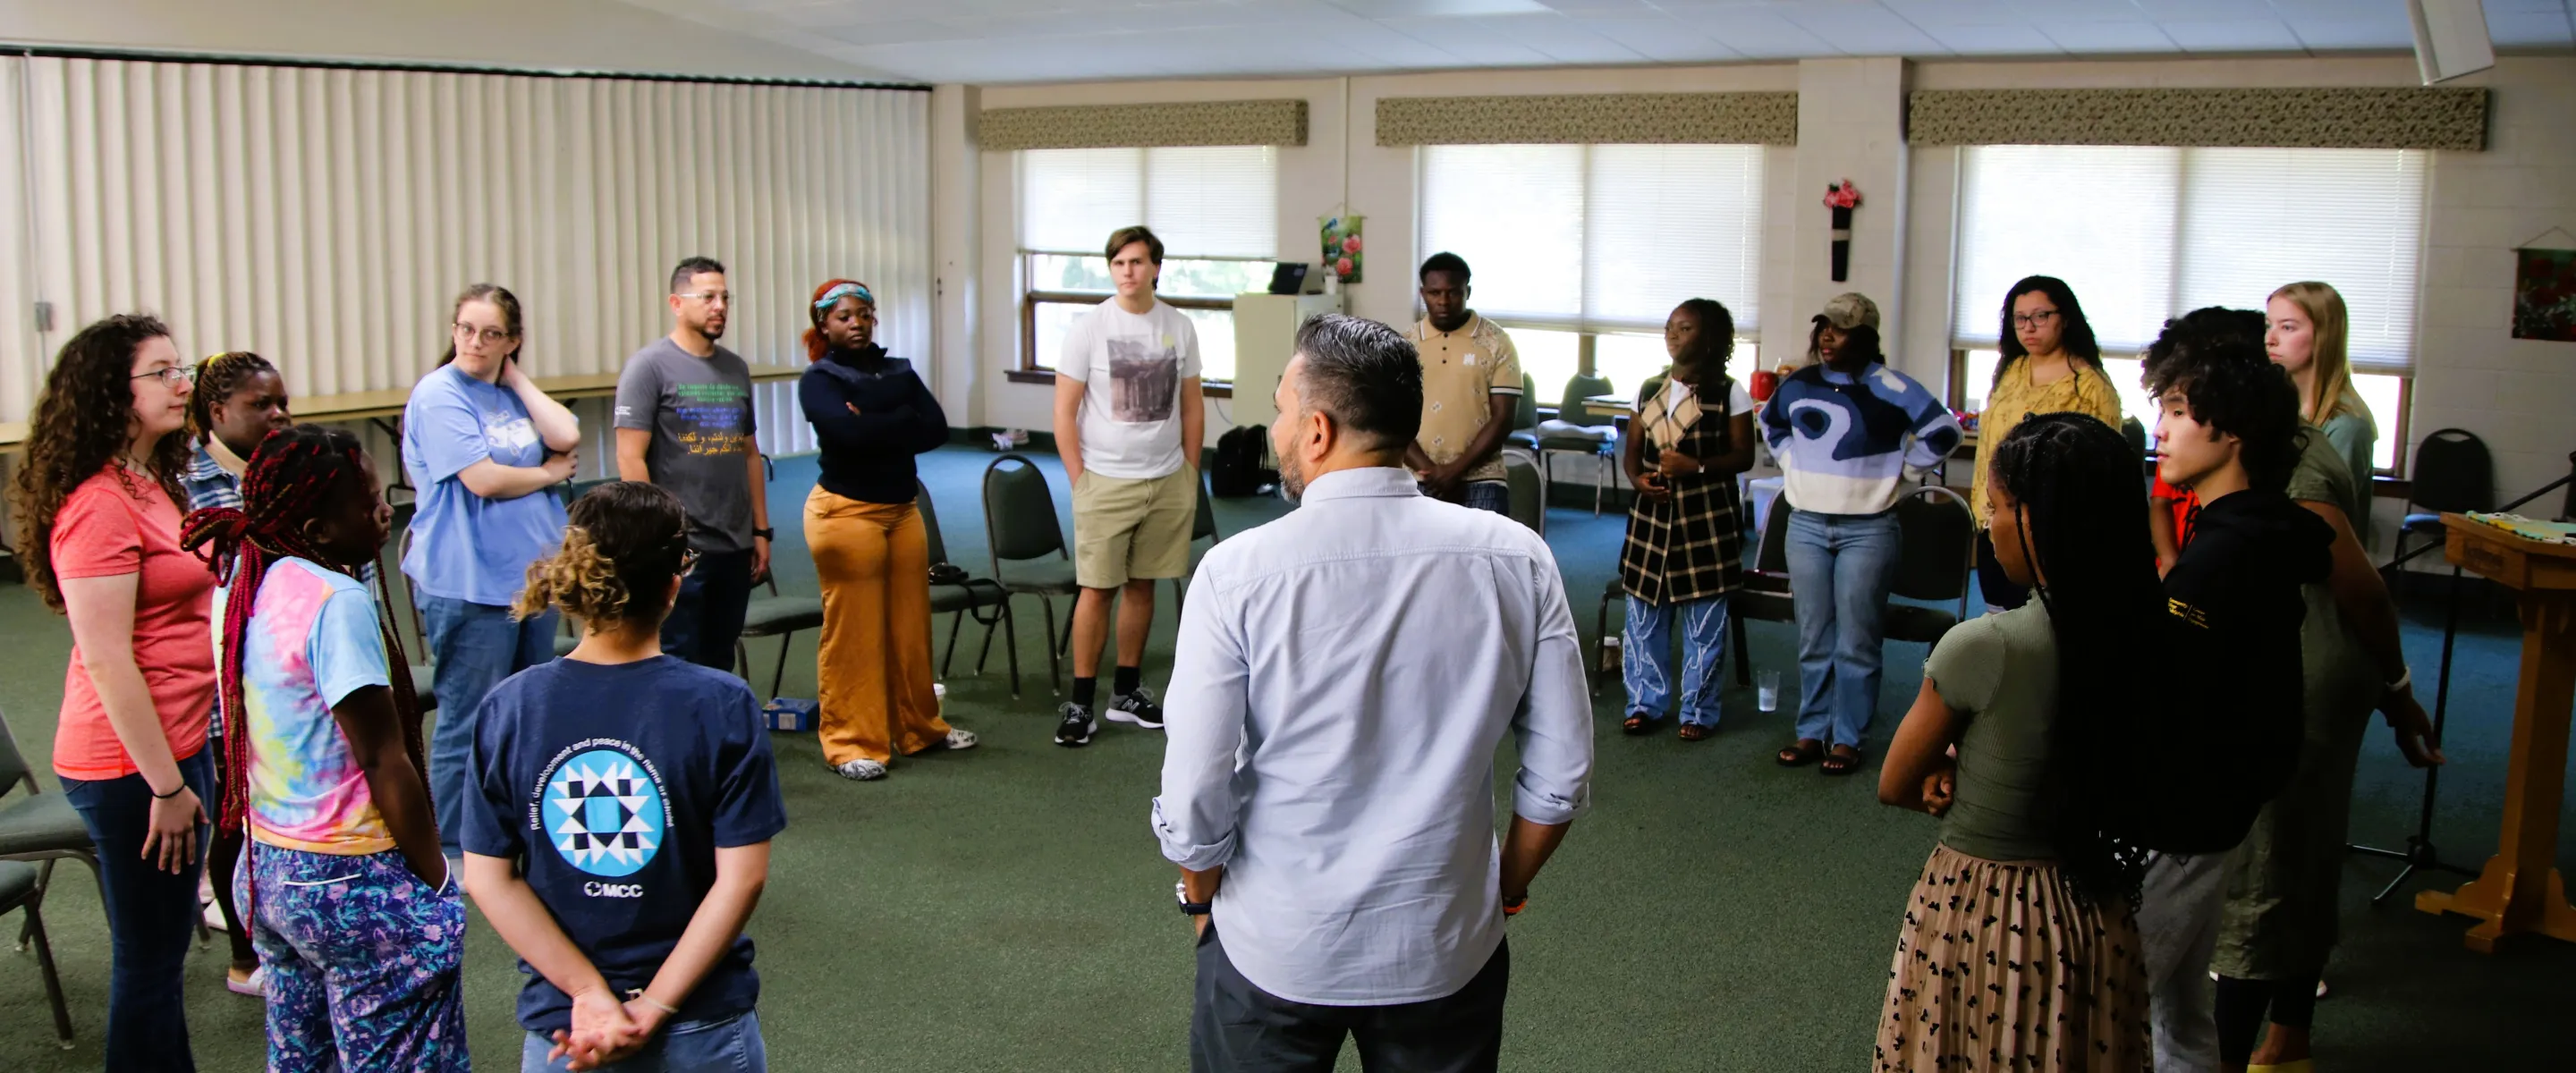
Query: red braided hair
<point x="293" y="475"/>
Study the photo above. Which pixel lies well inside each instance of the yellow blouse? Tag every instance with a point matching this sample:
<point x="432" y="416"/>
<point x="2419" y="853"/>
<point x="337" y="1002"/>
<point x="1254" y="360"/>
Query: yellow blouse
<point x="2086" y="392"/>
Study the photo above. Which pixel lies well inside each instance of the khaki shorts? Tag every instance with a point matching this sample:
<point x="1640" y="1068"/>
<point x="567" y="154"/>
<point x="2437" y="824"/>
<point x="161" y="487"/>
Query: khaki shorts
<point x="1128" y="529"/>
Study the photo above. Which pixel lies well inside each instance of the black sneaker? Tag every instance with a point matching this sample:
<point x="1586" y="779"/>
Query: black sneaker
<point x="1075" y="728"/>
<point x="1138" y="708"/>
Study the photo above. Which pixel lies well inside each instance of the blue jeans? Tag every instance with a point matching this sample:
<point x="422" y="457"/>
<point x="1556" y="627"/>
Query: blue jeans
<point x="682" y="1047"/>
<point x="707" y="618"/>
<point x="1840" y="568"/>
<point x="151" y="917"/>
<point x="1645" y="658"/>
<point x="475" y="646"/>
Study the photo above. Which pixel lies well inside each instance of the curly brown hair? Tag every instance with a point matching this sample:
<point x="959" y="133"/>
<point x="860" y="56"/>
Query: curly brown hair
<point x="80" y="426"/>
<point x="625" y="538"/>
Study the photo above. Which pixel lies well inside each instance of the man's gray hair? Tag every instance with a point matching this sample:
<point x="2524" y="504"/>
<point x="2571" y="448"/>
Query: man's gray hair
<point x="1365" y="375"/>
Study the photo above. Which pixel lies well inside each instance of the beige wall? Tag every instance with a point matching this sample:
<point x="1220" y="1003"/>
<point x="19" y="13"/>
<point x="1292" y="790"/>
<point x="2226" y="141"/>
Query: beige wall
<point x="2517" y="394"/>
<point x="552" y="35"/>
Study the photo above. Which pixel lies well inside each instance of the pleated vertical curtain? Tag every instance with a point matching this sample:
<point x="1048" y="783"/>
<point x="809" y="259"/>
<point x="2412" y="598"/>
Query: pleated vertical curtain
<point x="326" y="217"/>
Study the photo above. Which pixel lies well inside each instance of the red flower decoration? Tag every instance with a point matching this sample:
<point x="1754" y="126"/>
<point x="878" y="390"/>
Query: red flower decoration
<point x="1842" y="195"/>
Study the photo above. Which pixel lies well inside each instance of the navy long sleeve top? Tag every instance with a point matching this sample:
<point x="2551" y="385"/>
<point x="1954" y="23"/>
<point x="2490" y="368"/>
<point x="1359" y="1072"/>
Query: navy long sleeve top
<point x="867" y="454"/>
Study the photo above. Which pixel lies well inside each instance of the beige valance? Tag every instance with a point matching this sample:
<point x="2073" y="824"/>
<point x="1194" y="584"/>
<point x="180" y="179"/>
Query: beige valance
<point x="1124" y="126"/>
<point x="2342" y="118"/>
<point x="1597" y="118"/>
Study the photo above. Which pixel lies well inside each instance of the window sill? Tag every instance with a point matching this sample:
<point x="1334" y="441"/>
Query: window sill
<point x="1214" y="389"/>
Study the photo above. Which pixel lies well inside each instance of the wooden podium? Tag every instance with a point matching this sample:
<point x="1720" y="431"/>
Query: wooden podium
<point x="2518" y="891"/>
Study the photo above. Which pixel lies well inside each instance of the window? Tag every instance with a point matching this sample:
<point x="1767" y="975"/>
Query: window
<point x="2385" y="395"/>
<point x="2146" y="233"/>
<point x="1215" y="208"/>
<point x="1583" y="250"/>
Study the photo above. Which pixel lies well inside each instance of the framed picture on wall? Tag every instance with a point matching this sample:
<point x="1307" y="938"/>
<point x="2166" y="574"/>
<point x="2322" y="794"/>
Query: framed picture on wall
<point x="2544" y="295"/>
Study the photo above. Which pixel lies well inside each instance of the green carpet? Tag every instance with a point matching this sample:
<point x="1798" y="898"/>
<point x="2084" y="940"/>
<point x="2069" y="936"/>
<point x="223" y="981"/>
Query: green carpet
<point x="1006" y="909"/>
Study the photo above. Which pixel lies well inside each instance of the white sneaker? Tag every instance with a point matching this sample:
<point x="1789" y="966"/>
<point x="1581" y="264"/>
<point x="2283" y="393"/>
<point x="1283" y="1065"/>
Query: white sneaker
<point x="959" y="739"/>
<point x="860" y="770"/>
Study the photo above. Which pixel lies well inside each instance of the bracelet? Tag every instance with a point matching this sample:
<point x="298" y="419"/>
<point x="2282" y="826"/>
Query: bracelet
<point x="638" y="995"/>
<point x="1513" y="908"/>
<point x="2404" y="679"/>
<point x="159" y="796"/>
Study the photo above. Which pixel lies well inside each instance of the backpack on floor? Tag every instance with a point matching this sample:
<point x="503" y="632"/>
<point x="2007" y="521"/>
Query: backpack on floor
<point x="1238" y="470"/>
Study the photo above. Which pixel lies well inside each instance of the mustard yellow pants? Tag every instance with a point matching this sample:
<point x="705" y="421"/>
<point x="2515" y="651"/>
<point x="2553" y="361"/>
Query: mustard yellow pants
<point x="874" y="673"/>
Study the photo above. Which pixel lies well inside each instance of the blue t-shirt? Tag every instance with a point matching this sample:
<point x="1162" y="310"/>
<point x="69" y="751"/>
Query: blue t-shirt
<point x="614" y="786"/>
<point x="463" y="546"/>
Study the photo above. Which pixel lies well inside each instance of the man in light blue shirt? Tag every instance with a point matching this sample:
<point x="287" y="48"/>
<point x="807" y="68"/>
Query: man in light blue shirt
<point x="1342" y="678"/>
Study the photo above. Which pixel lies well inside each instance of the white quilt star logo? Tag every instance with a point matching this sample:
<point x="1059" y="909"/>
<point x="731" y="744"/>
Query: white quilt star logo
<point x="603" y="814"/>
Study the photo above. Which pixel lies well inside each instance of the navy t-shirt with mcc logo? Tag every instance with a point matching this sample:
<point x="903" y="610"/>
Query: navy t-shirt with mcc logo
<point x="613" y="786"/>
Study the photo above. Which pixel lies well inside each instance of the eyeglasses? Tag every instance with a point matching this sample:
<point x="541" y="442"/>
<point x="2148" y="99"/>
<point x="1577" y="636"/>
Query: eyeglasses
<point x="173" y="376"/>
<point x="688" y="561"/>
<point x="2034" y="318"/>
<point x="489" y="336"/>
<point x="709" y="297"/>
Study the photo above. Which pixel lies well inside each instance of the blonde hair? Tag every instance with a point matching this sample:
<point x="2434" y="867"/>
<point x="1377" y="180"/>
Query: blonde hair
<point x="2331" y="390"/>
<point x="625" y="539"/>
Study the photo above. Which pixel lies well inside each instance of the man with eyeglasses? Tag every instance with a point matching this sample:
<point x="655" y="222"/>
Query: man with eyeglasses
<point x="684" y="421"/>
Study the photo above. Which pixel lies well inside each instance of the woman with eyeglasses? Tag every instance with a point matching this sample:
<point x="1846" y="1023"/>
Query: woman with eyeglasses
<point x="98" y="523"/>
<point x="2050" y="365"/>
<point x="484" y="449"/>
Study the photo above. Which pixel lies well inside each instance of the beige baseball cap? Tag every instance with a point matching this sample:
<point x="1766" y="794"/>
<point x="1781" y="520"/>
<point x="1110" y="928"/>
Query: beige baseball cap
<point x="1849" y="310"/>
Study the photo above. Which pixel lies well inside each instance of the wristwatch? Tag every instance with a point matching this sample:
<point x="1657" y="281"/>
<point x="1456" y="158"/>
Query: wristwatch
<point x="770" y="535"/>
<point x="1181" y="891"/>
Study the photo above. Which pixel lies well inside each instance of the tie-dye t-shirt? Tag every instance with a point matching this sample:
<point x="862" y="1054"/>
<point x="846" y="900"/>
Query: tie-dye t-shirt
<point x="311" y="642"/>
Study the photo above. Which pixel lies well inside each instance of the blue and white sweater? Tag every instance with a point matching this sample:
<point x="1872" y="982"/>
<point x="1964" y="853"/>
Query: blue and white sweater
<point x="1846" y="442"/>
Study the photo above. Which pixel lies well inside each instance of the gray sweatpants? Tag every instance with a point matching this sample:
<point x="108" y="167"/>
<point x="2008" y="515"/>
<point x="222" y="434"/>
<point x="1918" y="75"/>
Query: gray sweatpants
<point x="2178" y="913"/>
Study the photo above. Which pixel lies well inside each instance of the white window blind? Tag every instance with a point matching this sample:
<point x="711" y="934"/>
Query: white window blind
<point x="2146" y="233"/>
<point x="1598" y="237"/>
<point x="1202" y="201"/>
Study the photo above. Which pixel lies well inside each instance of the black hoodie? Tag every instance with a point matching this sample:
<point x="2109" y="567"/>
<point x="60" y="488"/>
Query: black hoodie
<point x="867" y="454"/>
<point x="2235" y="605"/>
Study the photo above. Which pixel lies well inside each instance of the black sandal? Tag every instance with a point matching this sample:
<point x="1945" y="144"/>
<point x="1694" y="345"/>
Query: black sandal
<point x="1696" y="731"/>
<point x="1837" y="763"/>
<point x="1802" y="752"/>
<point x="1637" y="724"/>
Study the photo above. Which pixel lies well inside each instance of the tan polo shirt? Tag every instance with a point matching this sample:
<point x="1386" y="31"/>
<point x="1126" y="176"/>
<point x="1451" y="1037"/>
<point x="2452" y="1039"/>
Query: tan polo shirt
<point x="1461" y="371"/>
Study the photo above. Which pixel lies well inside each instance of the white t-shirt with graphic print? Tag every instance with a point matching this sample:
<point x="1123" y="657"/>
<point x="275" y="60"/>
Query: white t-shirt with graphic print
<point x="1131" y="367"/>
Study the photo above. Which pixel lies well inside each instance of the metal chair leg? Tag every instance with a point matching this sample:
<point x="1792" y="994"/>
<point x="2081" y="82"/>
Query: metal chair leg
<point x="1055" y="670"/>
<point x="985" y="651"/>
<point x="1010" y="644"/>
<point x="779" y="676"/>
<point x="1743" y="663"/>
<point x="1601" y="635"/>
<point x="1602" y="485"/>
<point x="950" y="659"/>
<point x="45" y="967"/>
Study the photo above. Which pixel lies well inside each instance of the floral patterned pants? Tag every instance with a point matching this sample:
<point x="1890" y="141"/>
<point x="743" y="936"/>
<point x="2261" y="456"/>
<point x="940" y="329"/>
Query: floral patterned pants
<point x="364" y="961"/>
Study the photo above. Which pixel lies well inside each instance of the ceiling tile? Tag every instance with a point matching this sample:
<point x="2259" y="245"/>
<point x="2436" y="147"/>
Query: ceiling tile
<point x="1465" y="39"/>
<point x="895" y="32"/>
<point x="1993" y="40"/>
<point x="1426" y="9"/>
<point x="2235" y="35"/>
<point x="2212" y="10"/>
<point x="2108" y="37"/>
<point x="2378" y="29"/>
<point x="1756" y="34"/>
<point x="2528" y="29"/>
<point x="1865" y="29"/>
<point x="1560" y="38"/>
<point x="1660" y="38"/>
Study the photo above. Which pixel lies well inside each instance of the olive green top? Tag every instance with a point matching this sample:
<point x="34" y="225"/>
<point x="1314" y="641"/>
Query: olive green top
<point x="2340" y="678"/>
<point x="2001" y="671"/>
<point x="2355" y="440"/>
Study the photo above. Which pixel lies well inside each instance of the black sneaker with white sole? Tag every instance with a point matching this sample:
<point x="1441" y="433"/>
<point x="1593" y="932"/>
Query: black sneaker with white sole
<point x="1138" y="708"/>
<point x="1075" y="728"/>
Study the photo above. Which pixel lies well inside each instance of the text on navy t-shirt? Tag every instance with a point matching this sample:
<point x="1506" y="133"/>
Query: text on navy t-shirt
<point x="614" y="786"/>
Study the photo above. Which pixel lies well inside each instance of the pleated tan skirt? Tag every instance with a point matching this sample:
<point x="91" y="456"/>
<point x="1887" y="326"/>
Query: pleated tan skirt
<point x="2000" y="967"/>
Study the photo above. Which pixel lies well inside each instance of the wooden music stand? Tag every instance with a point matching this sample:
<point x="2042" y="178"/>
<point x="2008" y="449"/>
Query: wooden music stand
<point x="2518" y="891"/>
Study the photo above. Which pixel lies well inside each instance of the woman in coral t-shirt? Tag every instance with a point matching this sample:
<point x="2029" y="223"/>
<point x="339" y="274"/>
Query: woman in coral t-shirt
<point x="99" y="524"/>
